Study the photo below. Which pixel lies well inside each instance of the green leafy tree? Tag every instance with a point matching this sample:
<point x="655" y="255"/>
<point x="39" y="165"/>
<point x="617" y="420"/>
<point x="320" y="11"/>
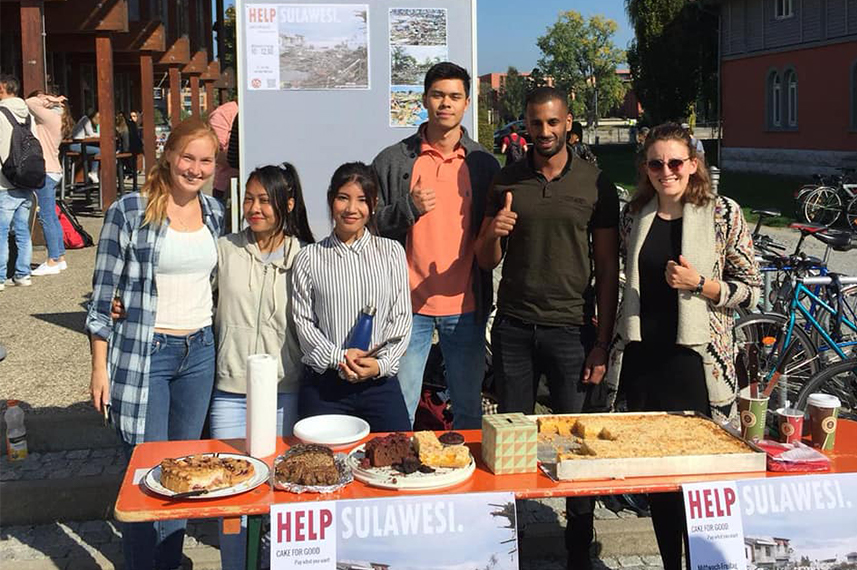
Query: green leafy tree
<point x="581" y="57"/>
<point x="673" y="58"/>
<point x="536" y="79"/>
<point x="229" y="56"/>
<point x="512" y="95"/>
<point x="486" y="129"/>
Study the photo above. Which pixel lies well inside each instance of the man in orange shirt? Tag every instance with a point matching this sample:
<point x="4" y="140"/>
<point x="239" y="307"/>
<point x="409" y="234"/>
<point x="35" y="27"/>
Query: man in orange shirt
<point x="433" y="186"/>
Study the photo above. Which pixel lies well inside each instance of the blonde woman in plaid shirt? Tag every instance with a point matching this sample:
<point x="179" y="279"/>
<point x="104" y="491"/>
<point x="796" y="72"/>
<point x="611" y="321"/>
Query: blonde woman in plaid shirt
<point x="155" y="366"/>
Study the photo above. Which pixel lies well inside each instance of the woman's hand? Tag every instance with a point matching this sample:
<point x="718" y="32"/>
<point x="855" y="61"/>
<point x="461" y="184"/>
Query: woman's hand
<point x="681" y="275"/>
<point x="99" y="389"/>
<point x="357" y="368"/>
<point x="117" y="309"/>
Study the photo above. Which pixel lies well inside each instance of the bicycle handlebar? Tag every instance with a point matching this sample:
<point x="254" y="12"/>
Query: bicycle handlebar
<point x="827" y="280"/>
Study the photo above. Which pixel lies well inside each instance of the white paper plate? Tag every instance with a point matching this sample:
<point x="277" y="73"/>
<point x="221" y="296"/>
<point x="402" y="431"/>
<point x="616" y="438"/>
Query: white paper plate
<point x="152" y="480"/>
<point x="389" y="478"/>
<point x="331" y="429"/>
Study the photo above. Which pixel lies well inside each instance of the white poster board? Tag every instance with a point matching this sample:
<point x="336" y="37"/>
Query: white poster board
<point x="323" y="83"/>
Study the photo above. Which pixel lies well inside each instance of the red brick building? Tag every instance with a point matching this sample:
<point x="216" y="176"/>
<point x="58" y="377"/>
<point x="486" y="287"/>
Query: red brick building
<point x="789" y="85"/>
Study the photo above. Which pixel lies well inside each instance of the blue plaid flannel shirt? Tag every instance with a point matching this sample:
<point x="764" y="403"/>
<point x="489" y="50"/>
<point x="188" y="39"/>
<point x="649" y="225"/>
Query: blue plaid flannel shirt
<point x="125" y="266"/>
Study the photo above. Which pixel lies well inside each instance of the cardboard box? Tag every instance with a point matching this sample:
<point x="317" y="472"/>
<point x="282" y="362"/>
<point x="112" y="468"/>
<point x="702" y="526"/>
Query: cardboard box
<point x="509" y="443"/>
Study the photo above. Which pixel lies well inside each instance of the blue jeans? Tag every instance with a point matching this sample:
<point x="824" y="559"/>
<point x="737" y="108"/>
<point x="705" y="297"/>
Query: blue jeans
<point x="15" y="214"/>
<point x="47" y="196"/>
<point x="229" y="421"/>
<point x="378" y="401"/>
<point x="181" y="376"/>
<point x="462" y="343"/>
<point x="90" y="150"/>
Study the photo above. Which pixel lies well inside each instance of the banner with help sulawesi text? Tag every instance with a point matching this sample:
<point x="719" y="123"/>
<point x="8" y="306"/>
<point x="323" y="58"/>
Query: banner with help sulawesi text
<point x="802" y="521"/>
<point x="422" y="532"/>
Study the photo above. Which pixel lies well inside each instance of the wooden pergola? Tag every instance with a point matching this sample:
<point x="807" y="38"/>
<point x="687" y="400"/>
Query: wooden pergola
<point x="171" y="37"/>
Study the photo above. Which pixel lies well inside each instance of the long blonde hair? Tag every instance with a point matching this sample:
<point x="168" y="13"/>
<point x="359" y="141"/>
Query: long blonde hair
<point x="159" y="180"/>
<point x="698" y="190"/>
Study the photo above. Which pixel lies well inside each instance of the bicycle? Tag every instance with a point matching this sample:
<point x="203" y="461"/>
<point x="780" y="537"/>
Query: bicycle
<point x="826" y="204"/>
<point x="838" y="380"/>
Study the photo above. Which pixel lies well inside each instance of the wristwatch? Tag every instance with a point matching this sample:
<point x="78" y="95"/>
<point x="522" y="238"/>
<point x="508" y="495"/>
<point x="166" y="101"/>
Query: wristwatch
<point x="699" y="286"/>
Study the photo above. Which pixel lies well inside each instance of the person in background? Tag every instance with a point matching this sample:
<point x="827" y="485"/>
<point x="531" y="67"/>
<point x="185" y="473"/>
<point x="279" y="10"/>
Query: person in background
<point x="642" y="133"/>
<point x="53" y="124"/>
<point x="578" y="147"/>
<point x="221" y="120"/>
<point x="553" y="221"/>
<point x="155" y="368"/>
<point x="697" y="144"/>
<point x="689" y="263"/>
<point x="433" y="188"/>
<point x="514" y="146"/>
<point x="87" y="127"/>
<point x="333" y="281"/>
<point x="15" y="203"/>
<point x="254" y="314"/>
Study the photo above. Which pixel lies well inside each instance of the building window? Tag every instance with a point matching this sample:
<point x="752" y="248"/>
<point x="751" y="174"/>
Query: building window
<point x="775" y="99"/>
<point x="791" y="97"/>
<point x="783" y="9"/>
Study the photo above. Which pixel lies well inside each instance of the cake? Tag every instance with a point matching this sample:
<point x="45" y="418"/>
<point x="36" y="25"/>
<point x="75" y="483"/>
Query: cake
<point x="384" y="451"/>
<point x="239" y="470"/>
<point x="194" y="473"/>
<point x="308" y="464"/>
<point x="435" y="454"/>
<point x="451" y="438"/>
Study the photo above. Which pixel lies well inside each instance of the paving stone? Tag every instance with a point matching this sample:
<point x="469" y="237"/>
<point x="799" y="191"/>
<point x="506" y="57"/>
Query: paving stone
<point x="609" y="562"/>
<point x="11" y="475"/>
<point x="90" y="469"/>
<point x="114" y="469"/>
<point x="105" y="452"/>
<point x="627" y="514"/>
<point x="605" y="514"/>
<point x="78" y="454"/>
<point x="91" y="526"/>
<point x="60" y="473"/>
<point x="652" y="561"/>
<point x="630" y="561"/>
<point x="31" y="464"/>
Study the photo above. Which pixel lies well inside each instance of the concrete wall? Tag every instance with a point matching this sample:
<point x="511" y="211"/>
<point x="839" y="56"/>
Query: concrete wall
<point x="798" y="162"/>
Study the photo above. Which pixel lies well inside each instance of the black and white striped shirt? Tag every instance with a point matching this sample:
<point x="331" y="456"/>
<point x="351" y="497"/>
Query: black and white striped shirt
<point x="333" y="282"/>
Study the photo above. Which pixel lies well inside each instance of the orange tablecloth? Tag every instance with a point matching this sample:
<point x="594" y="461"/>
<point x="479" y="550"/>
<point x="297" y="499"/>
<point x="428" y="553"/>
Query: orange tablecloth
<point x="138" y="504"/>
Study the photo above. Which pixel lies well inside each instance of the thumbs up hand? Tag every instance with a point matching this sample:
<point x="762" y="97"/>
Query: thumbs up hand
<point x="504" y="222"/>
<point x="424" y="198"/>
<point x="681" y="275"/>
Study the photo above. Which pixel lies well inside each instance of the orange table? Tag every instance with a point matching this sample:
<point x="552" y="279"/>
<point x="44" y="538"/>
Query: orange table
<point x="136" y="504"/>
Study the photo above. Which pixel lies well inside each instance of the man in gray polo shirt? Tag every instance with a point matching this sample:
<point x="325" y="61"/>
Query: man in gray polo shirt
<point x="542" y="213"/>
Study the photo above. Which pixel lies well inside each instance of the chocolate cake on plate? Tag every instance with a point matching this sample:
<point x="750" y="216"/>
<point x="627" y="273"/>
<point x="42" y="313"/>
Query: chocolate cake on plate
<point x="308" y="464"/>
<point x="384" y="451"/>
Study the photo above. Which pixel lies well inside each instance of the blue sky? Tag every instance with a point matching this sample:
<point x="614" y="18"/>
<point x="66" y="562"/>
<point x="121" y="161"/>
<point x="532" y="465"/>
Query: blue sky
<point x="507" y="29"/>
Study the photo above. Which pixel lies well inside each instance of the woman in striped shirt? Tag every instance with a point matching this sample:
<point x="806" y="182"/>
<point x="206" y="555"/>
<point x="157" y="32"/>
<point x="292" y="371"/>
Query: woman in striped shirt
<point x="333" y="281"/>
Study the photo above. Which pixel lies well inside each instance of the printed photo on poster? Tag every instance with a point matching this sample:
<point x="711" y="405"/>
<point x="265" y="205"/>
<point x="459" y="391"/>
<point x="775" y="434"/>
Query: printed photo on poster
<point x="418" y="26"/>
<point x="409" y="64"/>
<point x="436" y="533"/>
<point x="406" y="106"/>
<point x="801" y="522"/>
<point x="324" y="46"/>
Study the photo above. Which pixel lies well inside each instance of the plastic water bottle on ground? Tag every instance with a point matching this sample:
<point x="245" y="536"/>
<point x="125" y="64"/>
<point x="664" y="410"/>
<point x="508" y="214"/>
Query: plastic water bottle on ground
<point x="16" y="433"/>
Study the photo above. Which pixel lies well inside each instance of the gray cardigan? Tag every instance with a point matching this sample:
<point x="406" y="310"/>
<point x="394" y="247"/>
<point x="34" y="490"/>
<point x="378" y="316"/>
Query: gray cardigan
<point x="397" y="212"/>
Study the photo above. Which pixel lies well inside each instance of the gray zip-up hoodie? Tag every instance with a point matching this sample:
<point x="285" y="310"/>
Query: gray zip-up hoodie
<point x="253" y="314"/>
<point x="21" y="111"/>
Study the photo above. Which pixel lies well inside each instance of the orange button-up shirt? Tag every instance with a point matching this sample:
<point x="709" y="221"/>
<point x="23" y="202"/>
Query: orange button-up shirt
<point x="440" y="245"/>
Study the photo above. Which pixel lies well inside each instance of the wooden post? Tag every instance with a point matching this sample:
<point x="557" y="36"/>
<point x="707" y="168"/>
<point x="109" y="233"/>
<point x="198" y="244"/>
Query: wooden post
<point x="194" y="95"/>
<point x="106" y="108"/>
<point x="32" y="48"/>
<point x="209" y="46"/>
<point x="147" y="95"/>
<point x="210" y="103"/>
<point x="175" y="96"/>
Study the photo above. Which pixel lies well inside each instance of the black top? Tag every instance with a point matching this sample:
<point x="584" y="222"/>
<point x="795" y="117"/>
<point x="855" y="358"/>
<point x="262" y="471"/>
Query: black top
<point x="659" y="301"/>
<point x="548" y="267"/>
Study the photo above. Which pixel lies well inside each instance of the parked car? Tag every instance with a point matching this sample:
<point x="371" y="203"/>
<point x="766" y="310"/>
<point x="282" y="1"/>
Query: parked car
<point x="504" y="131"/>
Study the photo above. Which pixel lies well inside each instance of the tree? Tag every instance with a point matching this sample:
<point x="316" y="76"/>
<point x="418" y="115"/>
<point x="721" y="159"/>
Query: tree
<point x="582" y="59"/>
<point x="673" y="58"/>
<point x="486" y="129"/>
<point x="512" y="95"/>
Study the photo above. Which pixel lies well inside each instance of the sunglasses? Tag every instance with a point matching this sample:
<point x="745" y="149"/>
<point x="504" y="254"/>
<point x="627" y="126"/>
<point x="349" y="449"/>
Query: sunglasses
<point x="674" y="164"/>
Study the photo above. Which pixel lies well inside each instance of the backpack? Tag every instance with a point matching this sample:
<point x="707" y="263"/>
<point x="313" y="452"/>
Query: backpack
<point x="515" y="148"/>
<point x="73" y="234"/>
<point x="232" y="146"/>
<point x="24" y="168"/>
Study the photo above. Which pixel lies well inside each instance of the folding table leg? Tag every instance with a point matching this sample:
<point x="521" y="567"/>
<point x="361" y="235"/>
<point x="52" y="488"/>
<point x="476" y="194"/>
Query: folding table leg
<point x="254" y="541"/>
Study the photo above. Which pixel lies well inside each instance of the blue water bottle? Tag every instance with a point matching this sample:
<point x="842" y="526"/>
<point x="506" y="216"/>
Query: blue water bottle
<point x="361" y="334"/>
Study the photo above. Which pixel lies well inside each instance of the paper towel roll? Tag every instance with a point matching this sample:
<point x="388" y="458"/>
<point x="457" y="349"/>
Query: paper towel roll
<point x="261" y="405"/>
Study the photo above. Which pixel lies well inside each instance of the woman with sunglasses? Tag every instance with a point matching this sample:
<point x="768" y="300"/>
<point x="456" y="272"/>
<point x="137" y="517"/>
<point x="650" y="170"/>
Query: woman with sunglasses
<point x="689" y="263"/>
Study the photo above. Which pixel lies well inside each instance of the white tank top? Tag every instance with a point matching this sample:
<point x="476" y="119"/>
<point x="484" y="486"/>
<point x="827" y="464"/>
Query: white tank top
<point x="184" y="280"/>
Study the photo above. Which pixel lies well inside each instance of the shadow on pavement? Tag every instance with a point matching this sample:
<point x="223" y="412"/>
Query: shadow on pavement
<point x="72" y="321"/>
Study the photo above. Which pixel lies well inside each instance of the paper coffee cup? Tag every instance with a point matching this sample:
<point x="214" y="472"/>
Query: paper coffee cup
<point x="752" y="412"/>
<point x="823" y="412"/>
<point x="790" y="423"/>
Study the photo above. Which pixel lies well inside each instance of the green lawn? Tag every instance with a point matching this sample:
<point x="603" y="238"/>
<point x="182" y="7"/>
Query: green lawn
<point x="749" y="190"/>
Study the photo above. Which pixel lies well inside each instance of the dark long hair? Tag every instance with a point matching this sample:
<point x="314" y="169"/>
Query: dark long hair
<point x="281" y="182"/>
<point x="698" y="190"/>
<point x="362" y="175"/>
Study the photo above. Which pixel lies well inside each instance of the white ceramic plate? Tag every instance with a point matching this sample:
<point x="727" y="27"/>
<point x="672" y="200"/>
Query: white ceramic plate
<point x="389" y="478"/>
<point x="152" y="481"/>
<point x="331" y="429"/>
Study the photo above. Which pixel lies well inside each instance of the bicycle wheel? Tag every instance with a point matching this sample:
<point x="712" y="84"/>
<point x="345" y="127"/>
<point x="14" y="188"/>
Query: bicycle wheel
<point x="839" y="380"/>
<point x="851" y="215"/>
<point x="767" y="332"/>
<point x="822" y="206"/>
<point x="847" y="340"/>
